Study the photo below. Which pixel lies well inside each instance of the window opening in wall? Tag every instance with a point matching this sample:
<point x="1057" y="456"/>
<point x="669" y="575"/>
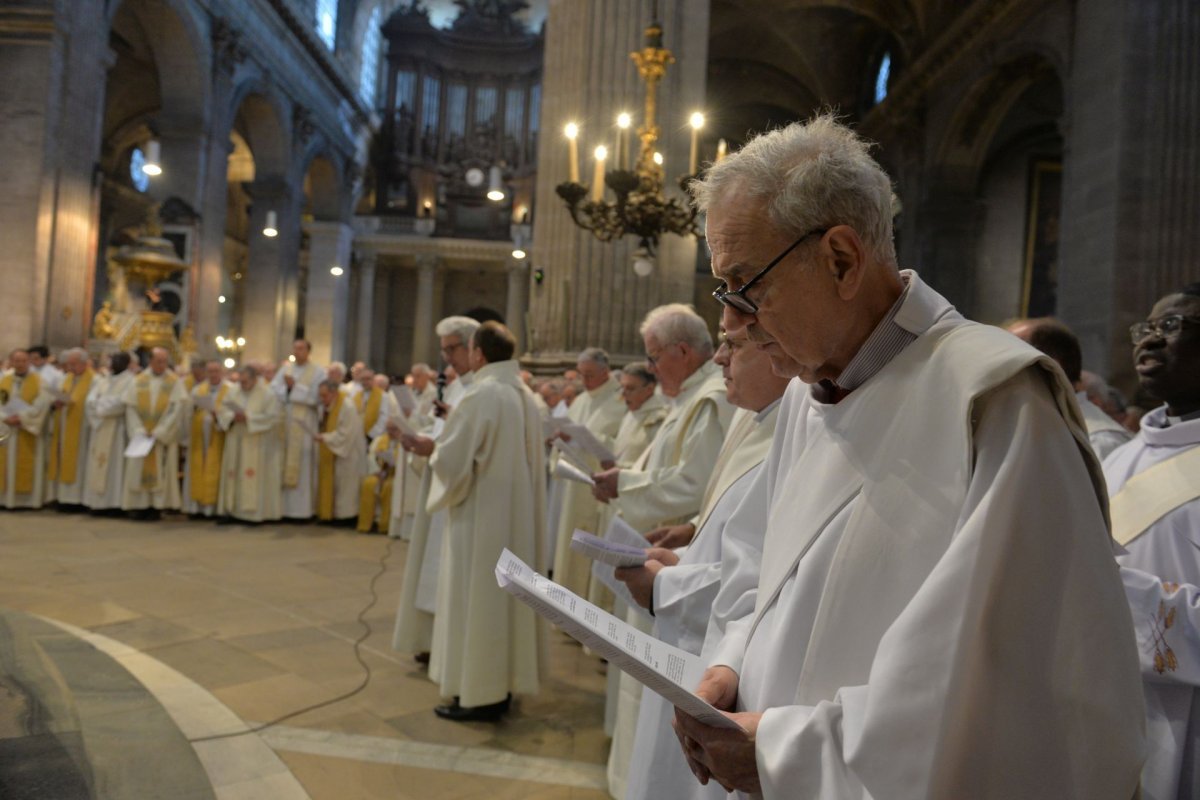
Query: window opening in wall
<point x="882" y="77"/>
<point x="137" y="160"/>
<point x="368" y="76"/>
<point x="327" y="21"/>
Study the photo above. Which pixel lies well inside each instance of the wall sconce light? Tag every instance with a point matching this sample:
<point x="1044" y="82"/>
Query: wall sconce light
<point x="495" y="186"/>
<point x="270" y="230"/>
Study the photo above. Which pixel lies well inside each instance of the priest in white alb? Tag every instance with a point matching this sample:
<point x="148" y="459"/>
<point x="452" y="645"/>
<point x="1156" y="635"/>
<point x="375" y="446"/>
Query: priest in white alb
<point x="679" y="586"/>
<point x="251" y="457"/>
<point x="341" y="456"/>
<point x="70" y="432"/>
<point x="295" y="385"/>
<point x="106" y="447"/>
<point x="938" y="612"/>
<point x="666" y="486"/>
<point x="205" y="441"/>
<point x="488" y="473"/>
<point x="409" y="468"/>
<point x="24" y="406"/>
<point x="418" y="592"/>
<point x="600" y="410"/>
<point x="155" y="403"/>
<point x="1155" y="486"/>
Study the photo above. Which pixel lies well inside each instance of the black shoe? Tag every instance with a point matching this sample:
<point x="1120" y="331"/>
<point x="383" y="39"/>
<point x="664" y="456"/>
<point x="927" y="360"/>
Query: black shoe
<point x="459" y="713"/>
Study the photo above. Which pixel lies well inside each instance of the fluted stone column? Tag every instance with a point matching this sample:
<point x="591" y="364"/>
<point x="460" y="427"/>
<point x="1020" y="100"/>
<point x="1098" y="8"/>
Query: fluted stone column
<point x="517" y="302"/>
<point x="1132" y="172"/>
<point x="269" y="286"/>
<point x="424" y="349"/>
<point x="366" y="305"/>
<point x="590" y="295"/>
<point x="326" y="309"/>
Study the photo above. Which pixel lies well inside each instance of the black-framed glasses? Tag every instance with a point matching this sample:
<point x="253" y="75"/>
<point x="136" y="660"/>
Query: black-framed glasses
<point x="737" y="300"/>
<point x="1163" y="328"/>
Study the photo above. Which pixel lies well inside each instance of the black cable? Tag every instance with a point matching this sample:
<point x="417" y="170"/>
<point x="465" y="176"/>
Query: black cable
<point x="366" y="626"/>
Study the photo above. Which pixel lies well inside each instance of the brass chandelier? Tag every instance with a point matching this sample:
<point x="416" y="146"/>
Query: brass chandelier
<point x="640" y="208"/>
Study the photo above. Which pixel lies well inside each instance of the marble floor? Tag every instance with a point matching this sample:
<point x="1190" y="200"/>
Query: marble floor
<point x="229" y="626"/>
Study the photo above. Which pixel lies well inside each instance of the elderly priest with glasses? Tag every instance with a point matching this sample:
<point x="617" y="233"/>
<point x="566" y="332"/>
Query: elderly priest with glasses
<point x="938" y="613"/>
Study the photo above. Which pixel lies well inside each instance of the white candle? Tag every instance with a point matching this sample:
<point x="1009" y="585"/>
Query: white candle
<point x="624" y="120"/>
<point x="598" y="178"/>
<point x="720" y="150"/>
<point x="572" y="133"/>
<point x="697" y="122"/>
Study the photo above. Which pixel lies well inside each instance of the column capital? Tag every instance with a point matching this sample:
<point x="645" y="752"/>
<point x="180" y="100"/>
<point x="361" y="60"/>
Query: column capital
<point x="428" y="262"/>
<point x="366" y="259"/>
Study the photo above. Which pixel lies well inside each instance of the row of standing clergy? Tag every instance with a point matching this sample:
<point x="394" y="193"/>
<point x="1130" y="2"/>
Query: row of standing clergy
<point x="255" y="451"/>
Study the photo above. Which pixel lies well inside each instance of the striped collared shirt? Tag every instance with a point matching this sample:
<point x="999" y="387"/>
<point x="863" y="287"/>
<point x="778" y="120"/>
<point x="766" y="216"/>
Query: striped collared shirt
<point x="885" y="343"/>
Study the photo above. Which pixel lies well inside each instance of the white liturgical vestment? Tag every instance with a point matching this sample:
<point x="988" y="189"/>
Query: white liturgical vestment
<point x="250" y="462"/>
<point x="1165" y="618"/>
<point x="731" y="522"/>
<point x="106" y="452"/>
<point x="299" y="469"/>
<point x="157" y="485"/>
<point x="418" y="592"/>
<point x="28" y="437"/>
<point x="937" y="586"/>
<point x="488" y="470"/>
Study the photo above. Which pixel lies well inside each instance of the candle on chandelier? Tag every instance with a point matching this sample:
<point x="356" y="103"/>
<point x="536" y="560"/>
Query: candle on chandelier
<point x="720" y="151"/>
<point x="624" y="121"/>
<point x="697" y="122"/>
<point x="598" y="178"/>
<point x="572" y="134"/>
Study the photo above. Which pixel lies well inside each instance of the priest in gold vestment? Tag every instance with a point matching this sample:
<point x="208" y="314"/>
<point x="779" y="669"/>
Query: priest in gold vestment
<point x="69" y="431"/>
<point x="23" y="409"/>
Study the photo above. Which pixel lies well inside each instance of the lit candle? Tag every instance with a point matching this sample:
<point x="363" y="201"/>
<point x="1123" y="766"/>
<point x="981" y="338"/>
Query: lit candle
<point x="720" y="151"/>
<point x="624" y="120"/>
<point x="697" y="123"/>
<point x="572" y="132"/>
<point x="598" y="178"/>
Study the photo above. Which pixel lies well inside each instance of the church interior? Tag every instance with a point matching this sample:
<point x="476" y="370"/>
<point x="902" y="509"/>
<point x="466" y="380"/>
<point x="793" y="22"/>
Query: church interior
<point x="220" y="178"/>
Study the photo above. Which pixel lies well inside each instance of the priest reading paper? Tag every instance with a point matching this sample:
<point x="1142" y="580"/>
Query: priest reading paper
<point x="106" y="448"/>
<point x="206" y="442"/>
<point x="375" y="493"/>
<point x="154" y="404"/>
<point x="489" y="474"/>
<point x="679" y="586"/>
<point x="340" y="457"/>
<point x="251" y="457"/>
<point x="23" y="408"/>
<point x="418" y="592"/>
<point x="70" y="431"/>
<point x="295" y="385"/>
<point x="938" y="613"/>
<point x="599" y="410"/>
<point x="1155" y="485"/>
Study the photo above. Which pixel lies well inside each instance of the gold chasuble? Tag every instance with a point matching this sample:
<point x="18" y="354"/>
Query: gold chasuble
<point x="371" y="415"/>
<point x="150" y="417"/>
<point x="26" y="441"/>
<point x="325" y="463"/>
<point x="68" y="423"/>
<point x="204" y="463"/>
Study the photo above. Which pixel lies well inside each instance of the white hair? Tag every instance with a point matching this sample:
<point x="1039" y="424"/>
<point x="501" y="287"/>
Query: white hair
<point x="462" y="327"/>
<point x="421" y="368"/>
<point x="812" y="175"/>
<point x="73" y="352"/>
<point x="678" y="323"/>
<point x="336" y="365"/>
<point x="594" y="354"/>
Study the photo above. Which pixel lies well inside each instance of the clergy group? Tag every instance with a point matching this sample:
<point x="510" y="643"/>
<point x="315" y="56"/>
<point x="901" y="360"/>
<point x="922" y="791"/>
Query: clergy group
<point x="917" y="555"/>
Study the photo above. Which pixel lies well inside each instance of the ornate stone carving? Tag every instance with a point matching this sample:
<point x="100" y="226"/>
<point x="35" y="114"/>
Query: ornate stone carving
<point x="302" y="125"/>
<point x="228" y="49"/>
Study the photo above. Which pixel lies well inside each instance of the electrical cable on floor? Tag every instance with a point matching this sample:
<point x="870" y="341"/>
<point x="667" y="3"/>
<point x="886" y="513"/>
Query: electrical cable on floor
<point x="366" y="626"/>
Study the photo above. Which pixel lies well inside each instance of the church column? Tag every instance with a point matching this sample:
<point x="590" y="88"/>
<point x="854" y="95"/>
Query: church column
<point x="51" y="113"/>
<point x="517" y="302"/>
<point x="326" y="310"/>
<point x="269" y="284"/>
<point x="590" y="295"/>
<point x="1131" y="174"/>
<point x="366" y="304"/>
<point x="426" y="317"/>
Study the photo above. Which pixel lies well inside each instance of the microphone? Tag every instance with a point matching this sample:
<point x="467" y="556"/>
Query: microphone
<point x="441" y="392"/>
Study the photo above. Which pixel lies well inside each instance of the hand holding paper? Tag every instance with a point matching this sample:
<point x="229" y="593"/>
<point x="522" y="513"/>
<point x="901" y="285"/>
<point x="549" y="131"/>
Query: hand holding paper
<point x="139" y="446"/>
<point x="655" y="664"/>
<point x="614" y="554"/>
<point x="568" y="471"/>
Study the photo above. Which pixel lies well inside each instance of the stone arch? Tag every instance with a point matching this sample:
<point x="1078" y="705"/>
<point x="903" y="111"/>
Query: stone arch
<point x="259" y="117"/>
<point x="324" y="194"/>
<point x="984" y="107"/>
